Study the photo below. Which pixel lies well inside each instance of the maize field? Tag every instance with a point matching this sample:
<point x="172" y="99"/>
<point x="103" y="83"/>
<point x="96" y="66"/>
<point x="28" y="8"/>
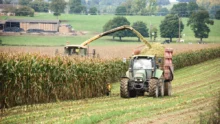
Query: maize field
<point x="191" y="58"/>
<point x="192" y="96"/>
<point x="32" y="78"/>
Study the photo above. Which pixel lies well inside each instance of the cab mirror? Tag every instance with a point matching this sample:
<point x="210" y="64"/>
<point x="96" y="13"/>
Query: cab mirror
<point x="159" y="60"/>
<point x="124" y="60"/>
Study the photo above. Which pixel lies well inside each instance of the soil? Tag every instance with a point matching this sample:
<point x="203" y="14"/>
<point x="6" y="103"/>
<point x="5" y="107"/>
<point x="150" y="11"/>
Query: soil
<point x="105" y="52"/>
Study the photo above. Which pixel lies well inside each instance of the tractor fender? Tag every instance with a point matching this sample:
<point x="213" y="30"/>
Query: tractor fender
<point x="127" y="73"/>
<point x="158" y="73"/>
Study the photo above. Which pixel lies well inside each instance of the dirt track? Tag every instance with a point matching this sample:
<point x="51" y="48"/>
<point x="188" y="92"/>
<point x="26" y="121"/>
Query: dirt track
<point x="105" y="51"/>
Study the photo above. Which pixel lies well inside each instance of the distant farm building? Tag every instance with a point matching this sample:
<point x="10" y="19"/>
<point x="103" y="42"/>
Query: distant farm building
<point x="65" y="28"/>
<point x="36" y="26"/>
<point x="45" y="25"/>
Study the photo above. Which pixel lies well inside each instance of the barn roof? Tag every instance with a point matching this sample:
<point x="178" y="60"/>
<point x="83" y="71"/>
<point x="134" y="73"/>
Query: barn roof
<point x="30" y="20"/>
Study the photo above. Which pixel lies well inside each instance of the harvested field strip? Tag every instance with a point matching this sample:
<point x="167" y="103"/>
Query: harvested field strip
<point x="179" y="116"/>
<point x="192" y="88"/>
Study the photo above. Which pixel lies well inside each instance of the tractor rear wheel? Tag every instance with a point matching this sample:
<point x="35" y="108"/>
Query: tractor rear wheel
<point x="124" y="88"/>
<point x="167" y="89"/>
<point x="153" y="87"/>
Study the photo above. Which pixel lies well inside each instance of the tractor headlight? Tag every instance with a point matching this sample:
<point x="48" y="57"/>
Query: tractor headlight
<point x="138" y="79"/>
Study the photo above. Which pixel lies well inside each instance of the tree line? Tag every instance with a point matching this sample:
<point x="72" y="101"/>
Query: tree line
<point x="122" y="7"/>
<point x="171" y="26"/>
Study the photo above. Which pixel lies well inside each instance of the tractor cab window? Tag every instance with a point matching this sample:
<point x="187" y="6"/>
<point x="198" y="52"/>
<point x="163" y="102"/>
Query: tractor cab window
<point x="142" y="64"/>
<point x="82" y="52"/>
<point x="74" y="51"/>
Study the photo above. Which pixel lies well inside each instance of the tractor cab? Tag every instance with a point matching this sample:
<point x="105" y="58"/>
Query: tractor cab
<point x="75" y="50"/>
<point x="141" y="68"/>
<point x="144" y="75"/>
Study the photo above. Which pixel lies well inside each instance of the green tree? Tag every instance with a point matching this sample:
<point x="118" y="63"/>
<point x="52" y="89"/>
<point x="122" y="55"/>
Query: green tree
<point x="24" y="2"/>
<point x="57" y="6"/>
<point x="94" y="2"/>
<point x="93" y="11"/>
<point x="217" y="15"/>
<point x="141" y="28"/>
<point x="76" y="6"/>
<point x="198" y="22"/>
<point x="163" y="2"/>
<point x="9" y="10"/>
<point x="186" y="0"/>
<point x="121" y="10"/>
<point x="153" y="33"/>
<point x="128" y="5"/>
<point x="24" y="11"/>
<point x="137" y="6"/>
<point x="39" y="6"/>
<point x="192" y="7"/>
<point x="7" y="1"/>
<point x="169" y="27"/>
<point x="152" y="6"/>
<point x="213" y="10"/>
<point x="116" y="22"/>
<point x="180" y="9"/>
<point x="163" y="12"/>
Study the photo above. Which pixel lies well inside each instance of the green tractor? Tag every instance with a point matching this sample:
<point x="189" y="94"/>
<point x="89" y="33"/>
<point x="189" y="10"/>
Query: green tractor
<point x="147" y="73"/>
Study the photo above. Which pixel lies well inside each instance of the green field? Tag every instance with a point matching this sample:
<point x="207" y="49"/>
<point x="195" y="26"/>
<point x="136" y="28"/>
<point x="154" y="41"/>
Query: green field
<point x="192" y="96"/>
<point x="61" y="40"/>
<point x="93" y="24"/>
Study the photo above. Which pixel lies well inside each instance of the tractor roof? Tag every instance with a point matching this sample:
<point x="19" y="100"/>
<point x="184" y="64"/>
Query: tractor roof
<point x="143" y="56"/>
<point x="74" y="46"/>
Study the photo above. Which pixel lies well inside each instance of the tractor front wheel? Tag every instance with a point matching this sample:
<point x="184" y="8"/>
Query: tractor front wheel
<point x="124" y="88"/>
<point x="153" y="87"/>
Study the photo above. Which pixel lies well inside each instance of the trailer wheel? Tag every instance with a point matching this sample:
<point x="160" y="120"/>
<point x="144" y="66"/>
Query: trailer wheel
<point x="153" y="87"/>
<point x="167" y="89"/>
<point x="161" y="88"/>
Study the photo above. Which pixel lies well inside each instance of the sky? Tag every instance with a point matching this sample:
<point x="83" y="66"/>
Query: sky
<point x="172" y="0"/>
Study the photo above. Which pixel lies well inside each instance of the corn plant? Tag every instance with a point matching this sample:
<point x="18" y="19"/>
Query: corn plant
<point x="32" y="78"/>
